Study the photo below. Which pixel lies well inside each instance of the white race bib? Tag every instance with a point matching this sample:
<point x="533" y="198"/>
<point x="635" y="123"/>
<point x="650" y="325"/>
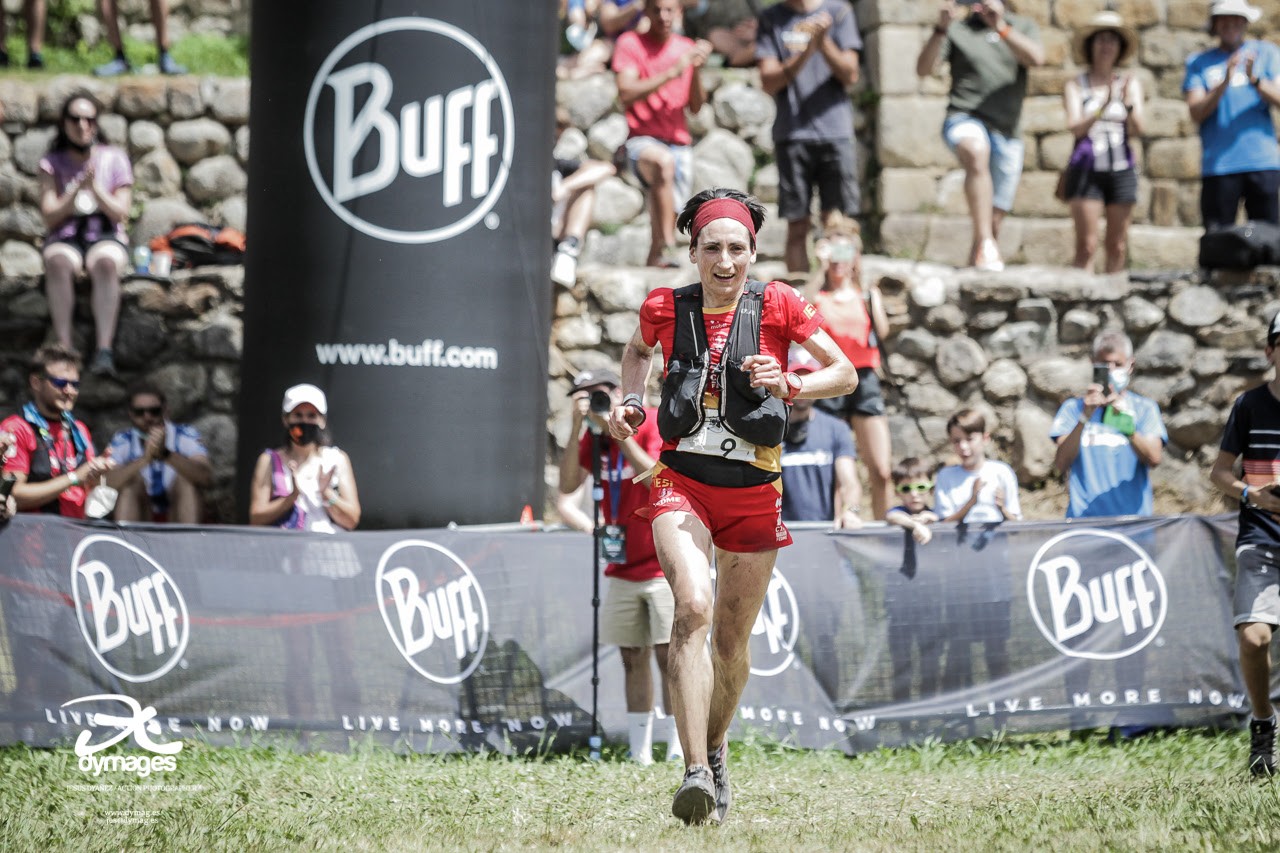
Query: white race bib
<point x="714" y="440"/>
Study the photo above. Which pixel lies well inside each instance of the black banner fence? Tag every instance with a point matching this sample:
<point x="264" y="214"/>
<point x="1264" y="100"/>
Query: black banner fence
<point x="447" y="640"/>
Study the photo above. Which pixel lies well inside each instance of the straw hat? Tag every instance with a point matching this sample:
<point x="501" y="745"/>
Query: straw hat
<point x="1112" y="21"/>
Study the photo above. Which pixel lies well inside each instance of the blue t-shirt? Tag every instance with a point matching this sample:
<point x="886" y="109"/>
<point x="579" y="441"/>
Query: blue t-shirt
<point x="809" y="469"/>
<point x="815" y="105"/>
<point x="1107" y="478"/>
<point x="1253" y="432"/>
<point x="1238" y="136"/>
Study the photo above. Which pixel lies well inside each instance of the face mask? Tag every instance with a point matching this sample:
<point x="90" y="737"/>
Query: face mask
<point x="1119" y="379"/>
<point x="303" y="434"/>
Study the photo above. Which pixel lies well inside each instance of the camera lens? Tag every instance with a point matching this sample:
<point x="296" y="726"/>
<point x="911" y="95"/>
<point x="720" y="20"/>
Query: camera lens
<point x="601" y="402"/>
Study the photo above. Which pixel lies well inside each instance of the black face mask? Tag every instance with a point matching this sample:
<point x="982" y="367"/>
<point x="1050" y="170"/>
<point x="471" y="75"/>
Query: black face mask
<point x="797" y="431"/>
<point x="304" y="434"/>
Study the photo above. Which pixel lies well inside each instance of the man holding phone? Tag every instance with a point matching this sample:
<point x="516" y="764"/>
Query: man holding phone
<point x="1109" y="438"/>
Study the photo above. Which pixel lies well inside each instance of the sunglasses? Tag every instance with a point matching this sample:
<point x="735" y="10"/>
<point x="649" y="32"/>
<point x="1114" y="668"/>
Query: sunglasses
<point x="61" y="384"/>
<point x="75" y="119"/>
<point x="908" y="488"/>
<point x="154" y="411"/>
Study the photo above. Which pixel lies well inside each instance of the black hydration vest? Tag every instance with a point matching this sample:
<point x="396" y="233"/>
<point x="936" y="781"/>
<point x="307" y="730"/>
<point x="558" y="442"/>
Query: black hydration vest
<point x="41" y="468"/>
<point x="752" y="414"/>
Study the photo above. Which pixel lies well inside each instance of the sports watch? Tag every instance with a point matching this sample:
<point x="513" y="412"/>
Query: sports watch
<point x="793" y="385"/>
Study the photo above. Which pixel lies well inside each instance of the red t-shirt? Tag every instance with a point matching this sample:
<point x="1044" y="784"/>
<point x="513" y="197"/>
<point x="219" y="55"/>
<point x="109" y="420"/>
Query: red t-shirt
<point x="787" y="318"/>
<point x="62" y="457"/>
<point x="849" y="325"/>
<point x="616" y="474"/>
<point x="659" y="114"/>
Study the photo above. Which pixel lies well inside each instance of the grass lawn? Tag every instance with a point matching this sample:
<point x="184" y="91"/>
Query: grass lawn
<point x="1186" y="790"/>
<point x="201" y="54"/>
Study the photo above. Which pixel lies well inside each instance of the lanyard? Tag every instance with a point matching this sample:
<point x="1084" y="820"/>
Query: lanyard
<point x="615" y="486"/>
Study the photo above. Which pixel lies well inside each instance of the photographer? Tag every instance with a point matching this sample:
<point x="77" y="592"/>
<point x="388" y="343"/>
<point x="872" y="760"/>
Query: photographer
<point x="1109" y="439"/>
<point x="8" y="506"/>
<point x="638" y="608"/>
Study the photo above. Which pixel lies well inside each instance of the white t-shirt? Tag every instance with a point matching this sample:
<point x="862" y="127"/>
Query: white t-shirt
<point x="954" y="485"/>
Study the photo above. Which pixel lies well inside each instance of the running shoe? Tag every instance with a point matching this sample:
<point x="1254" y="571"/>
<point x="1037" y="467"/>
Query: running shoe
<point x="988" y="258"/>
<point x="103" y="364"/>
<point x="1262" y="747"/>
<point x="169" y="66"/>
<point x="114" y="68"/>
<point x="719" y="763"/>
<point x="695" y="801"/>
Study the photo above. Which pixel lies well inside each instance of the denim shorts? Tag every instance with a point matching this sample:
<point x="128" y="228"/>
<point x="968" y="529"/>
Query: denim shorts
<point x="683" y="155"/>
<point x="1006" y="154"/>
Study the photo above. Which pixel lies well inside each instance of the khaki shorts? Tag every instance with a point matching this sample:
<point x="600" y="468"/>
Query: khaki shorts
<point x="636" y="614"/>
<point x="1257" y="585"/>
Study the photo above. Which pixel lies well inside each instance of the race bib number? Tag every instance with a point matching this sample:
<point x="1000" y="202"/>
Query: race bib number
<point x="714" y="440"/>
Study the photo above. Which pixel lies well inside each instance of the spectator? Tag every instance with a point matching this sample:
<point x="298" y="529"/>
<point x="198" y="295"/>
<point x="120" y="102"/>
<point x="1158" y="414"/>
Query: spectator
<point x="620" y="16"/>
<point x="853" y="314"/>
<point x="819" y="482"/>
<point x="109" y="10"/>
<point x="978" y="491"/>
<point x="1103" y="110"/>
<point x="35" y="17"/>
<point x="308" y="484"/>
<point x="913" y="482"/>
<point x="86" y="189"/>
<point x="914" y="613"/>
<point x="160" y="466"/>
<point x="1109" y="439"/>
<point x="716" y="484"/>
<point x="52" y="457"/>
<point x="731" y="27"/>
<point x="1250" y="437"/>
<point x="8" y="506"/>
<point x="590" y="55"/>
<point x="989" y="51"/>
<point x="1230" y="91"/>
<point x="638" y="609"/>
<point x="573" y="195"/>
<point x="808" y="56"/>
<point x="657" y="79"/>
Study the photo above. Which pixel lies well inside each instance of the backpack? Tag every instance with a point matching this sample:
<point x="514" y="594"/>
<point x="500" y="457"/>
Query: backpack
<point x="198" y="244"/>
<point x="1240" y="247"/>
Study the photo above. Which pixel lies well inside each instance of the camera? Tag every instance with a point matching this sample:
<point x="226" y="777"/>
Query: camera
<point x="6" y="485"/>
<point x="601" y="403"/>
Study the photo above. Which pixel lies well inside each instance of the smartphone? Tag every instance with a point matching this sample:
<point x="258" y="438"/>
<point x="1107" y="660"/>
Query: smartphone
<point x="1102" y="376"/>
<point x="6" y="485"/>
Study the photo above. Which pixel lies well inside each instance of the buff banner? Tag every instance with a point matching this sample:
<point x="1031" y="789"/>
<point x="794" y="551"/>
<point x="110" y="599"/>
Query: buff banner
<point x="402" y="246"/>
<point x="449" y="640"/>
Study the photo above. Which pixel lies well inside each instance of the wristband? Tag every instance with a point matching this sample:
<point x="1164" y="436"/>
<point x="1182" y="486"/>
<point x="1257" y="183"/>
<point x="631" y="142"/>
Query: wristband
<point x="331" y="501"/>
<point x="74" y="478"/>
<point x="635" y="401"/>
<point x="1244" y="497"/>
<point x="1004" y="31"/>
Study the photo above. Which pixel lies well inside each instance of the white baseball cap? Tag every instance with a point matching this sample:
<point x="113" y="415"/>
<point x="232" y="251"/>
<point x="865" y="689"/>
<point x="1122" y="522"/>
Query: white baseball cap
<point x="304" y="393"/>
<point x="1238" y="8"/>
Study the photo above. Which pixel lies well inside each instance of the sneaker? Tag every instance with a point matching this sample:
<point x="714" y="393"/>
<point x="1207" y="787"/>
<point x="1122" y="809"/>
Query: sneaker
<point x="114" y="68"/>
<point x="564" y="268"/>
<point x="4" y="58"/>
<point x="988" y="257"/>
<point x="719" y="763"/>
<point x="168" y="66"/>
<point x="695" y="801"/>
<point x="1262" y="747"/>
<point x="35" y="60"/>
<point x="103" y="364"/>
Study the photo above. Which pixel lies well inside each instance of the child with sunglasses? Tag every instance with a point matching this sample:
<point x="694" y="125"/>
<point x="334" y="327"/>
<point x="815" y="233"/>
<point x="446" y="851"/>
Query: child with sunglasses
<point x="913" y="482"/>
<point x="913" y="602"/>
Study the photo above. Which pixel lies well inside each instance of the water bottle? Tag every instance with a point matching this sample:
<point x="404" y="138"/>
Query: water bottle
<point x="142" y="260"/>
<point x="594" y="743"/>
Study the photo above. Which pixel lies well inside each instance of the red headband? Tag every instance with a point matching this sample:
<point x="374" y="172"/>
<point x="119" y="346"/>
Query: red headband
<point x="722" y="208"/>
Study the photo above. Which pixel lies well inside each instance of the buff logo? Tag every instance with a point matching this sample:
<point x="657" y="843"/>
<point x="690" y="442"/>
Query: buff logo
<point x="132" y="615"/>
<point x="425" y="148"/>
<point x="1095" y="594"/>
<point x="776" y="629"/>
<point x="433" y="608"/>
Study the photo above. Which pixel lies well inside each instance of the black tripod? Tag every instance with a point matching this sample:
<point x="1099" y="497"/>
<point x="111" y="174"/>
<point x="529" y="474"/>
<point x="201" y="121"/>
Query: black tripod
<point x="597" y="531"/>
